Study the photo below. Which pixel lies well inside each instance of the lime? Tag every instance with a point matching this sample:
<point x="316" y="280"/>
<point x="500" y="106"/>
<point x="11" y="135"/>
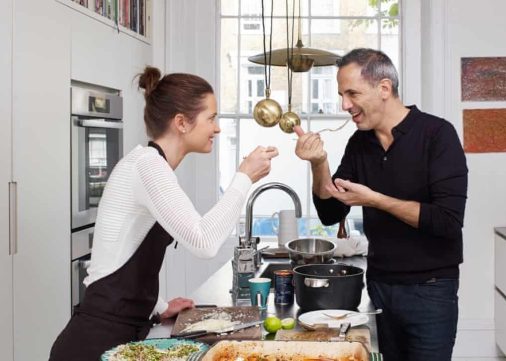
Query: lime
<point x="272" y="324"/>
<point x="287" y="323"/>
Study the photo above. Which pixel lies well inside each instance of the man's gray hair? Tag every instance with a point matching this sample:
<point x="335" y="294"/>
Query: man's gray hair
<point x="375" y="65"/>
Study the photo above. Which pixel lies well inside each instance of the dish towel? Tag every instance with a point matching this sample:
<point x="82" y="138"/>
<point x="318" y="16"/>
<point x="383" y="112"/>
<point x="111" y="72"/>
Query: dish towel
<point x="352" y="246"/>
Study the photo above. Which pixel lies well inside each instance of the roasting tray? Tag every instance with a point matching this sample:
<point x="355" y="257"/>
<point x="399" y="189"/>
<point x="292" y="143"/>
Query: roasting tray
<point x="289" y="351"/>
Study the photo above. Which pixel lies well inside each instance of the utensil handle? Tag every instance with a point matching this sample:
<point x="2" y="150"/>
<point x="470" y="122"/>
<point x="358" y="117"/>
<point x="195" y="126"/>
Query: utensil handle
<point x="192" y="334"/>
<point x="316" y="282"/>
<point x="13" y="218"/>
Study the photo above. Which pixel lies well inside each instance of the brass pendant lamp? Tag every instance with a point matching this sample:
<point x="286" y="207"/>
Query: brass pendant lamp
<point x="302" y="59"/>
<point x="289" y="119"/>
<point x="267" y="112"/>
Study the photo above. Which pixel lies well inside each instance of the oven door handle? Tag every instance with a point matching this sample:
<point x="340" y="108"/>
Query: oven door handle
<point x="99" y="123"/>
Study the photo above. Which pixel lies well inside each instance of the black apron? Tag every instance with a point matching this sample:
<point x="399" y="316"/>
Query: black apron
<point x="116" y="309"/>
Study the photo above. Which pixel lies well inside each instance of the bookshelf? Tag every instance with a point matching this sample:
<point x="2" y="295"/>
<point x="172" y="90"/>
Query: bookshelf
<point x="132" y="17"/>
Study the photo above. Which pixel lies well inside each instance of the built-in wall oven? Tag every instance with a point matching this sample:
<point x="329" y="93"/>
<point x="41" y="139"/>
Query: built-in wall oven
<point x="96" y="147"/>
<point x="81" y="251"/>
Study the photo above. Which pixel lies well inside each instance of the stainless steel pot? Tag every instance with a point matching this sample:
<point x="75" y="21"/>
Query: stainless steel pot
<point x="328" y="286"/>
<point x="310" y="251"/>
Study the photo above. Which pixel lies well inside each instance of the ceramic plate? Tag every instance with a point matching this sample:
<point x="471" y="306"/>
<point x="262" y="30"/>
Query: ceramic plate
<point x="164" y="344"/>
<point x="313" y="317"/>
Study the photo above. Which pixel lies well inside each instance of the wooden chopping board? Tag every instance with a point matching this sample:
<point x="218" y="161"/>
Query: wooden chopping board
<point x="357" y="334"/>
<point x="241" y="314"/>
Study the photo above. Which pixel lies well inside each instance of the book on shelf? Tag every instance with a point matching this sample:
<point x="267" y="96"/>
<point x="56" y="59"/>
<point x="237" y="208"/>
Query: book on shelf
<point x="147" y="15"/>
<point x="142" y="17"/>
<point x="134" y="15"/>
<point x="110" y="9"/>
<point x="99" y="6"/>
<point x="82" y="2"/>
<point x="124" y="13"/>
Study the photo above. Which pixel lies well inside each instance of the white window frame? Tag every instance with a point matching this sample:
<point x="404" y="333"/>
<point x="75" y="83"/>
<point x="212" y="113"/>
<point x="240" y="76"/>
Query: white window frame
<point x="308" y="116"/>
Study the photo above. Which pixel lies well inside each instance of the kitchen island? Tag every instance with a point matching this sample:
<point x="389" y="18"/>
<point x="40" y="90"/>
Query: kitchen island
<point x="216" y="291"/>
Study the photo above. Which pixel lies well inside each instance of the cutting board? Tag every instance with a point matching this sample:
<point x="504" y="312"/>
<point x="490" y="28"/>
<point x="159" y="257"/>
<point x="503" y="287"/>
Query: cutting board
<point x="242" y="314"/>
<point x="359" y="334"/>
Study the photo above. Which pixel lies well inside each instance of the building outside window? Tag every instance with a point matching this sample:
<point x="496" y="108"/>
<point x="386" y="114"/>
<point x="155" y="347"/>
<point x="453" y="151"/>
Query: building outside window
<point x="332" y="25"/>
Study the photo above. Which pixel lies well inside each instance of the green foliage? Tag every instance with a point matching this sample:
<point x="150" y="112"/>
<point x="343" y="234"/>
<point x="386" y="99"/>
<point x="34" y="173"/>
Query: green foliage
<point x="391" y="11"/>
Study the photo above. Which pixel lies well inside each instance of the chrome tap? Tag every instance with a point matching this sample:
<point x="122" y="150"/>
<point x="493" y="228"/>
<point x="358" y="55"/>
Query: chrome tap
<point x="249" y="211"/>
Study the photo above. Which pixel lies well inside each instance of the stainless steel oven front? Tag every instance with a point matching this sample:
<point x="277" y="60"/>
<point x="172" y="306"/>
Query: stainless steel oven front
<point x="82" y="242"/>
<point x="96" y="147"/>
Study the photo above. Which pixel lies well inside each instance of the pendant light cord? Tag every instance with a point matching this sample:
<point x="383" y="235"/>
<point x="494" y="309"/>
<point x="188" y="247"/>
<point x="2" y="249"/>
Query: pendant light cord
<point x="267" y="68"/>
<point x="289" y="52"/>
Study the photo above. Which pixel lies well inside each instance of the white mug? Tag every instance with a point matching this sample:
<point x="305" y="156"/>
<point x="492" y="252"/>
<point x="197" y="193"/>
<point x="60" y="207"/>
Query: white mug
<point x="287" y="229"/>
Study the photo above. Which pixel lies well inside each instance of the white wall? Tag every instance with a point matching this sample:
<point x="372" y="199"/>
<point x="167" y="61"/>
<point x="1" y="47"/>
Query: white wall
<point x="453" y="29"/>
<point x="191" y="47"/>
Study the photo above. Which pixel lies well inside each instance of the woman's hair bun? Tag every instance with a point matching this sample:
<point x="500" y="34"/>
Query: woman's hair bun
<point x="149" y="79"/>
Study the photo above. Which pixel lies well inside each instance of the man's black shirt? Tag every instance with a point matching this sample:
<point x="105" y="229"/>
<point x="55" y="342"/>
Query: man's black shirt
<point x="425" y="163"/>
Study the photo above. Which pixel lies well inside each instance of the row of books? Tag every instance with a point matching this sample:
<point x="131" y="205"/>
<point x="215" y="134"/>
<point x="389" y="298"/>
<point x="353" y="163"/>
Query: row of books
<point x="131" y="14"/>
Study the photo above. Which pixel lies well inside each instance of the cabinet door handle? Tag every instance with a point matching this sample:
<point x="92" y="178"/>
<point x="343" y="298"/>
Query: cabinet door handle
<point x="13" y="218"/>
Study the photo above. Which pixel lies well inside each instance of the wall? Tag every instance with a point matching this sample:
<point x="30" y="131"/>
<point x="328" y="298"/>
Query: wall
<point x="190" y="49"/>
<point x="451" y="30"/>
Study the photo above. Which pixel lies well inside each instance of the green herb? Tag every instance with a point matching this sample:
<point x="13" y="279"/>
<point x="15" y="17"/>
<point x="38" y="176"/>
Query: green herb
<point x="141" y="352"/>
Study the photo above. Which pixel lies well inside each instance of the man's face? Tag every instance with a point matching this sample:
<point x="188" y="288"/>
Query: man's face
<point x="363" y="101"/>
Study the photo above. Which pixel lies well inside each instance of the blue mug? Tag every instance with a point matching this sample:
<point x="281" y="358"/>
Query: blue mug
<point x="259" y="291"/>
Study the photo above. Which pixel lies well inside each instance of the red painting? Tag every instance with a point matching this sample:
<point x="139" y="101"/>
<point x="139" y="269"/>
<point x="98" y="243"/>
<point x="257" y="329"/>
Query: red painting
<point x="483" y="79"/>
<point x="484" y="130"/>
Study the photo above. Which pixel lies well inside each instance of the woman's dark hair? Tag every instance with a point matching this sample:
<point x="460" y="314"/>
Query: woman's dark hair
<point x="375" y="64"/>
<point x="176" y="93"/>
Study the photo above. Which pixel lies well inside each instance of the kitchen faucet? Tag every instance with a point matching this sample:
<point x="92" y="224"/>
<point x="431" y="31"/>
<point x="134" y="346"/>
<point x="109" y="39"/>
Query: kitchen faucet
<point x="249" y="211"/>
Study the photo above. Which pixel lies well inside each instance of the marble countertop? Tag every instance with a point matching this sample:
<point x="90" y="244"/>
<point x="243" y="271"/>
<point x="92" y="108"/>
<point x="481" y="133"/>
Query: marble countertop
<point x="216" y="291"/>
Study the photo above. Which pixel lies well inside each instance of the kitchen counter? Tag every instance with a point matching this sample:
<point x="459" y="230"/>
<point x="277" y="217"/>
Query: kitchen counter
<point x="216" y="291"/>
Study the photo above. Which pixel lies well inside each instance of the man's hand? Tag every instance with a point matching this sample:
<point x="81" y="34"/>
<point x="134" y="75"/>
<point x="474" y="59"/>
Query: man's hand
<point x="352" y="194"/>
<point x="176" y="305"/>
<point x="309" y="147"/>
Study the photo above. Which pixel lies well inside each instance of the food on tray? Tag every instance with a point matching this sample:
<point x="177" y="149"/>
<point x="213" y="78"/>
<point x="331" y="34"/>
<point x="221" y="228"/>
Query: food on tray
<point x="212" y="322"/>
<point x="143" y="352"/>
<point x="286" y="351"/>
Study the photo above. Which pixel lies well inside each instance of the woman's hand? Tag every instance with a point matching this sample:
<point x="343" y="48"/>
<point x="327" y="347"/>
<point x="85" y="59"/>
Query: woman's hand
<point x="258" y="163"/>
<point x="176" y="305"/>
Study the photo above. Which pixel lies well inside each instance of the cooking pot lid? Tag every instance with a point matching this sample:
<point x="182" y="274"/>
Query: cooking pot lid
<point x="328" y="270"/>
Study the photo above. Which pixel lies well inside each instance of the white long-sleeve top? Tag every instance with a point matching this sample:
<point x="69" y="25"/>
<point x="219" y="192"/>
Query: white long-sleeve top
<point x="142" y="190"/>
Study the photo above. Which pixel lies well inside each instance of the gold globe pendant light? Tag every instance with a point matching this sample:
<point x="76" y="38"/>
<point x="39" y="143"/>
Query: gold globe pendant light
<point x="289" y="119"/>
<point x="301" y="59"/>
<point x="267" y="112"/>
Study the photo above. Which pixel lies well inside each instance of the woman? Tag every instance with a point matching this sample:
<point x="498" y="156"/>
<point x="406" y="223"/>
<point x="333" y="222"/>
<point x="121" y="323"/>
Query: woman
<point x="143" y="209"/>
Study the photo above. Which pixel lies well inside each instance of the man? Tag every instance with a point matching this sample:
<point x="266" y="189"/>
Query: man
<point x="408" y="171"/>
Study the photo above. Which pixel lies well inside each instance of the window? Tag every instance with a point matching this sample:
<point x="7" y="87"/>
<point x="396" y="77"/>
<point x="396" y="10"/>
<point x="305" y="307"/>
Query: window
<point x="333" y="25"/>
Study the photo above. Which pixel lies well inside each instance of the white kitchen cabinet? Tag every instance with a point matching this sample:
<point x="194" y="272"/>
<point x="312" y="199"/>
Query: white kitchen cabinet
<point x="500" y="288"/>
<point x="6" y="316"/>
<point x="36" y="67"/>
<point x="41" y="169"/>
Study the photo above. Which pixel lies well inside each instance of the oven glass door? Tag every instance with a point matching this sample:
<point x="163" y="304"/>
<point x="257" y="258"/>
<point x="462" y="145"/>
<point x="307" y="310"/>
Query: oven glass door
<point x="97" y="146"/>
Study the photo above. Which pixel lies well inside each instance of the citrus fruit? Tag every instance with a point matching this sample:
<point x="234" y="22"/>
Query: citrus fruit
<point x="287" y="323"/>
<point x="272" y="324"/>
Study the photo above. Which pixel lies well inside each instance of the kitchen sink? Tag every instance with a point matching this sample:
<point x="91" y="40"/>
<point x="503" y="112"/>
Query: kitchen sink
<point x="267" y="269"/>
